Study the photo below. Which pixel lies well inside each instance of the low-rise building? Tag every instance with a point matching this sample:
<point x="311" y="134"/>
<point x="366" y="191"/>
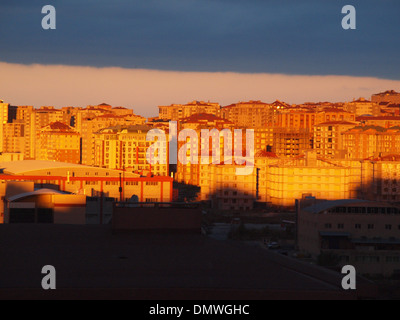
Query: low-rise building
<point x="45" y="206"/>
<point x="364" y="234"/>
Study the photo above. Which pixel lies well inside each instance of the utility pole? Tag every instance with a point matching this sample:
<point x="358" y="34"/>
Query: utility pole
<point x="120" y="187"/>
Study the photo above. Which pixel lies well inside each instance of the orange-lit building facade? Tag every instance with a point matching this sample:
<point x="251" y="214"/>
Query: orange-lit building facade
<point x="389" y="96"/>
<point x="363" y="107"/>
<point x="328" y="138"/>
<point x="58" y="142"/>
<point x="125" y="148"/>
<point x="291" y="142"/>
<point x="177" y="112"/>
<point x="371" y="141"/>
<point x="251" y="115"/>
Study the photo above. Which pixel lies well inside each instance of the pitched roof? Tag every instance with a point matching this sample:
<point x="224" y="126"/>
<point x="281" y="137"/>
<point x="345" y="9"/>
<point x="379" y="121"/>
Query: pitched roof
<point x="265" y="154"/>
<point x="204" y="117"/>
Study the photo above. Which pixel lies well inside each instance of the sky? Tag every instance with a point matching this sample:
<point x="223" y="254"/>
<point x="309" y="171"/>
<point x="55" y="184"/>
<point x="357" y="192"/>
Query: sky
<point x="288" y="49"/>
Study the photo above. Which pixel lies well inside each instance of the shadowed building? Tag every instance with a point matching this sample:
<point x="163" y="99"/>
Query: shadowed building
<point x="361" y="233"/>
<point x="93" y="263"/>
<point x="45" y="206"/>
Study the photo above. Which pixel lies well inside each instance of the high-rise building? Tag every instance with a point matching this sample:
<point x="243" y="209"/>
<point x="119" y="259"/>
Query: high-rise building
<point x="389" y="96"/>
<point x="90" y="126"/>
<point x="125" y="148"/>
<point x="3" y="120"/>
<point x="363" y="107"/>
<point x="291" y="142"/>
<point x="371" y="141"/>
<point x="252" y="114"/>
<point x="177" y="112"/>
<point x="14" y="137"/>
<point x="58" y="142"/>
<point x="328" y="139"/>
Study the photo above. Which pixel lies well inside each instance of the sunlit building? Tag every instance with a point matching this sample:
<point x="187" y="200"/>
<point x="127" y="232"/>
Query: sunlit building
<point x="58" y="142"/>
<point x="102" y="186"/>
<point x="389" y="96"/>
<point x="91" y="125"/>
<point x="363" y="107"/>
<point x="328" y="139"/>
<point x="176" y="112"/>
<point x="252" y="114"/>
<point x="125" y="148"/>
<point x="3" y="120"/>
<point x="14" y="137"/>
<point x="310" y="176"/>
<point x="371" y="141"/>
<point x="383" y="121"/>
<point x="291" y="142"/>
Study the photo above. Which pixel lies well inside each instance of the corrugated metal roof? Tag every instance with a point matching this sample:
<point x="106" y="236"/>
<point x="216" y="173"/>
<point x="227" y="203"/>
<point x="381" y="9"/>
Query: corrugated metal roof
<point x="34" y="193"/>
<point x="21" y="167"/>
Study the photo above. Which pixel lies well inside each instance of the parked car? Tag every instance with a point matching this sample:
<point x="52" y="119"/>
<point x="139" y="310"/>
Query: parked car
<point x="274" y="246"/>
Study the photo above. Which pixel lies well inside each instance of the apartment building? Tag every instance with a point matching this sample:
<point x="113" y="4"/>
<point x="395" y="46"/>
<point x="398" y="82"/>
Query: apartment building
<point x="58" y="142"/>
<point x="383" y="121"/>
<point x="363" y="107"/>
<point x="328" y="139"/>
<point x="251" y="114"/>
<point x="226" y="190"/>
<point x="371" y="141"/>
<point x="125" y="147"/>
<point x="3" y="120"/>
<point x="291" y="142"/>
<point x="14" y="137"/>
<point x="177" y="112"/>
<point x="390" y="96"/>
<point x="206" y="121"/>
<point x="310" y="176"/>
<point x="308" y="117"/>
<point x="92" y="125"/>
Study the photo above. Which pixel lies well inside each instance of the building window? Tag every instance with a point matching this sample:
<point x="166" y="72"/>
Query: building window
<point x="358" y="226"/>
<point x="340" y="226"/>
<point x="151" y="183"/>
<point x="388" y="227"/>
<point x="328" y="226"/>
<point x="371" y="227"/>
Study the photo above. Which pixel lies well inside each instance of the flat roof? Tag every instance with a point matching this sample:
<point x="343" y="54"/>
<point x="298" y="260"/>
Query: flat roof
<point x="326" y="205"/>
<point x="24" y="166"/>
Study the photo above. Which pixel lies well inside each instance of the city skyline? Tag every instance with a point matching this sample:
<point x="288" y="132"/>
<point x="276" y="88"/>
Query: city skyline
<point x="199" y="149"/>
<point x="145" y="90"/>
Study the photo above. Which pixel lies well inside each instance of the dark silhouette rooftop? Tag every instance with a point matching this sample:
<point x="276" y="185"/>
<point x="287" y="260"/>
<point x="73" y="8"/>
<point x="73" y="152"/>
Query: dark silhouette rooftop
<point x="92" y="263"/>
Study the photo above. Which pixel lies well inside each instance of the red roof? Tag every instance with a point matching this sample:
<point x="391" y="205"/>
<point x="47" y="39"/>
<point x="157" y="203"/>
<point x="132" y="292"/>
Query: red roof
<point x="379" y="118"/>
<point x="204" y="117"/>
<point x="337" y="123"/>
<point x="59" y="126"/>
<point x="265" y="154"/>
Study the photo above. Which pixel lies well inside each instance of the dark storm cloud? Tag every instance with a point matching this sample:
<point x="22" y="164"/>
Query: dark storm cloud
<point x="292" y="37"/>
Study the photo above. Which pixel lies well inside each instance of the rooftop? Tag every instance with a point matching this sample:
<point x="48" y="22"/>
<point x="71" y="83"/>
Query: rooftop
<point x="129" y="129"/>
<point x="327" y="205"/>
<point x="35" y="193"/>
<point x="92" y="263"/>
<point x="204" y="117"/>
<point x="26" y="166"/>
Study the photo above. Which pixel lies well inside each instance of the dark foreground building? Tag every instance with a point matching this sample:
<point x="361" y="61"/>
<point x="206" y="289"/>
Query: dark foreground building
<point x="93" y="263"/>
